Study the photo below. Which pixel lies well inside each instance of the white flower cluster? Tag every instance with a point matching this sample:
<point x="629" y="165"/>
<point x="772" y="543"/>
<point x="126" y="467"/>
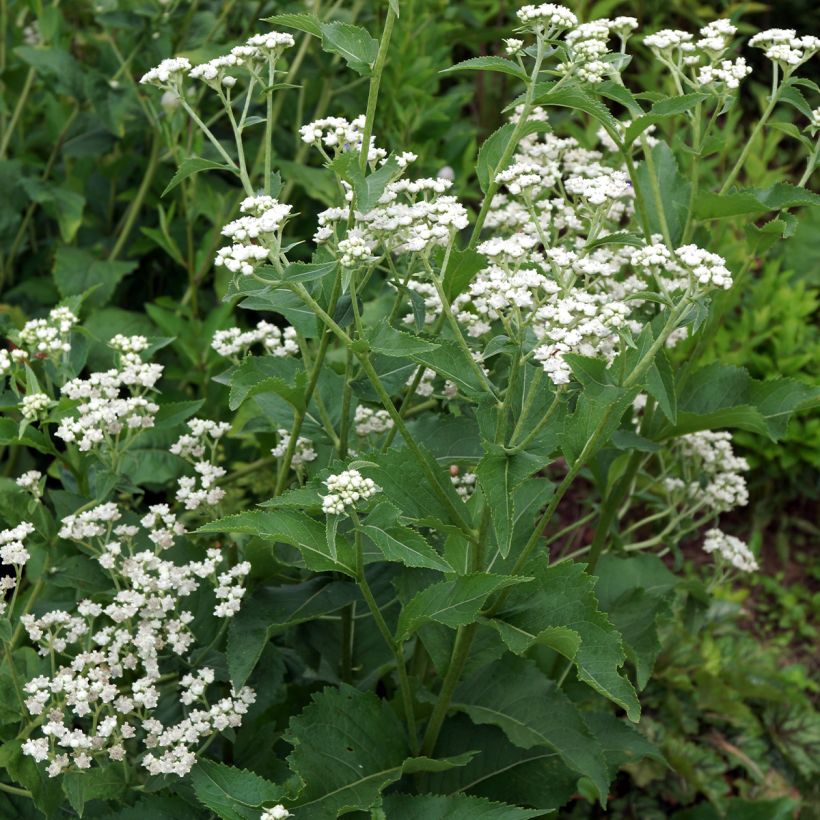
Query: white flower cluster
<point x="345" y="490"/>
<point x="103" y="419"/>
<point x="411" y="216"/>
<point x="303" y="451"/>
<point x="720" y="484"/>
<point x="49" y="337"/>
<point x="341" y="136"/>
<point x="586" y="46"/>
<point x="463" y="482"/>
<point x="277" y="341"/>
<point x="784" y="47"/>
<point x="687" y="266"/>
<point x="33" y="406"/>
<point x="546" y="18"/>
<point x="30" y="481"/>
<point x="254" y="235"/>
<point x="278" y="812"/>
<point x="730" y="549"/>
<point x="13" y="553"/>
<point x="168" y="74"/>
<point x="367" y="421"/>
<point x="103" y="699"/>
<point x="200" y="448"/>
<point x="129" y="344"/>
<point x="604" y="187"/>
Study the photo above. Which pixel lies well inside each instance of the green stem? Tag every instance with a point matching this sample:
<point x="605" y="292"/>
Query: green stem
<point x="654" y="184"/>
<point x="18" y="109"/>
<point x="5" y="787"/>
<point x="811" y="163"/>
<point x="375" y="82"/>
<point x="207" y="132"/>
<point x="545" y="419"/>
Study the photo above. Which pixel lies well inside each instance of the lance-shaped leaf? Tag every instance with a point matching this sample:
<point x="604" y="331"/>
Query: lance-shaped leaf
<point x="490" y="153"/>
<point x="349" y="745"/>
<point x="388" y="341"/>
<point x="453" y="807"/>
<point x="661" y="111"/>
<point x="452" y="603"/>
<point x="400" y="543"/>
<point x="564" y="596"/>
<point x="531" y="710"/>
<point x="720" y="395"/>
<point x="753" y="201"/>
<point x="272" y="609"/>
<point x="499" y="64"/>
<point x="451" y="362"/>
<point x="294" y="528"/>
<point x="674" y="191"/>
<point x="191" y="166"/>
<point x="232" y="793"/>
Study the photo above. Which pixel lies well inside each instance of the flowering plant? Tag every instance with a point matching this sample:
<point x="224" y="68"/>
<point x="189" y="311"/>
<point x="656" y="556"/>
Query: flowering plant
<point x="429" y="386"/>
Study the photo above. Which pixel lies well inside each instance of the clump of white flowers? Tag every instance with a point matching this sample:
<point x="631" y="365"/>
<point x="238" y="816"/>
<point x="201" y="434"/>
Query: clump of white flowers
<point x="785" y="48"/>
<point x="367" y="421"/>
<point x="464" y="482"/>
<point x="278" y="812"/>
<point x="33" y="406"/>
<point x="30" y="482"/>
<point x="345" y="490"/>
<point x="717" y="472"/>
<point x="49" y="337"/>
<point x="340" y="136"/>
<point x="104" y="420"/>
<point x="303" y="451"/>
<point x="200" y="447"/>
<point x="233" y="342"/>
<point x="13" y="553"/>
<point x="546" y="19"/>
<point x="731" y="550"/>
<point x="103" y="700"/>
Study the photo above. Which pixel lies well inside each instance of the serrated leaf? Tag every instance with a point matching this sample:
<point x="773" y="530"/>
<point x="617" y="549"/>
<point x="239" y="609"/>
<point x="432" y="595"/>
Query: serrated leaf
<point x="348" y="746"/>
<point x="661" y="111"/>
<point x="490" y="153"/>
<point x="753" y="201"/>
<point x="190" y="166"/>
<point x="309" y="271"/>
<point x="229" y="792"/>
<point x="496" y="477"/>
<point x="294" y="528"/>
<point x="452" y="603"/>
<point x="564" y="596"/>
<point x="660" y="384"/>
<point x="77" y="272"/>
<point x="353" y="43"/>
<point x="674" y="191"/>
<point x="308" y="23"/>
<point x="98" y="783"/>
<point x="388" y="341"/>
<point x="453" y="807"/>
<point x="370" y="188"/>
<point x="621" y="742"/>
<point x="576" y="97"/>
<point x="499" y="64"/>
<point x="260" y="374"/>
<point x="451" y="362"/>
<point x="272" y="609"/>
<point x="462" y="266"/>
<point x="531" y="710"/>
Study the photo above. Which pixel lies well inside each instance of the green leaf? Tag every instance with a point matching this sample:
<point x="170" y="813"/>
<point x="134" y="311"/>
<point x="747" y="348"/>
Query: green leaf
<point x="191" y="166"/>
<point x="564" y="596"/>
<point x="98" y="783"/>
<point x="399" y="543"/>
<point x="462" y="266"/>
<point x="659" y="112"/>
<point x="453" y="807"/>
<point x="620" y="742"/>
<point x="660" y="384"/>
<point x="370" y="188"/>
<point x="77" y="272"/>
<point x="576" y="97"/>
<point x="388" y="341"/>
<point x="563" y="640"/>
<point x="263" y="374"/>
<point x="450" y="361"/>
<point x="488" y="64"/>
<point x="309" y="271"/>
<point x="294" y="528"/>
<point x="496" y="477"/>
<point x="353" y="43"/>
<point x="490" y="153"/>
<point x="348" y="746"/>
<point x="753" y="201"/>
<point x="62" y="204"/>
<point x="618" y="238"/>
<point x="452" y="603"/>
<point x="674" y="192"/>
<point x="531" y="710"/>
<point x="229" y="792"/>
<point x="720" y="395"/>
<point x="273" y="609"/>
<point x="308" y="23"/>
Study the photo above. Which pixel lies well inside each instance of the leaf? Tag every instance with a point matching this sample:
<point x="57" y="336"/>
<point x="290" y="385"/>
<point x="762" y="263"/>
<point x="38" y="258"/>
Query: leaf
<point x="308" y="23"/>
<point x="496" y="478"/>
<point x="259" y="374"/>
<point x="62" y="204"/>
<point x="290" y="527"/>
<point x="228" y="791"/>
<point x="348" y="746"/>
<point x="77" y="272"/>
<point x="453" y="807"/>
<point x="309" y="271"/>
<point x="661" y="111"/>
<point x="452" y="603"/>
<point x="720" y="395"/>
<point x="488" y="64"/>
<point x="388" y="341"/>
<point x="574" y="96"/>
<point x="399" y="543"/>
<point x="490" y="153"/>
<point x="450" y="361"/>
<point x="564" y="596"/>
<point x="193" y="165"/>
<point x="353" y="43"/>
<point x="674" y="192"/>
<point x="660" y="384"/>
<point x="462" y="266"/>
<point x="531" y="710"/>
<point x="370" y="188"/>
<point x="753" y="201"/>
<point x="273" y="609"/>
<point x="620" y="742"/>
<point x="98" y="783"/>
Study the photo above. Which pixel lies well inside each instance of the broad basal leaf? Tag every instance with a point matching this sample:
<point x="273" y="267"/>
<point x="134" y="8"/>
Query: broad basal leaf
<point x="453" y="807"/>
<point x="231" y="793"/>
